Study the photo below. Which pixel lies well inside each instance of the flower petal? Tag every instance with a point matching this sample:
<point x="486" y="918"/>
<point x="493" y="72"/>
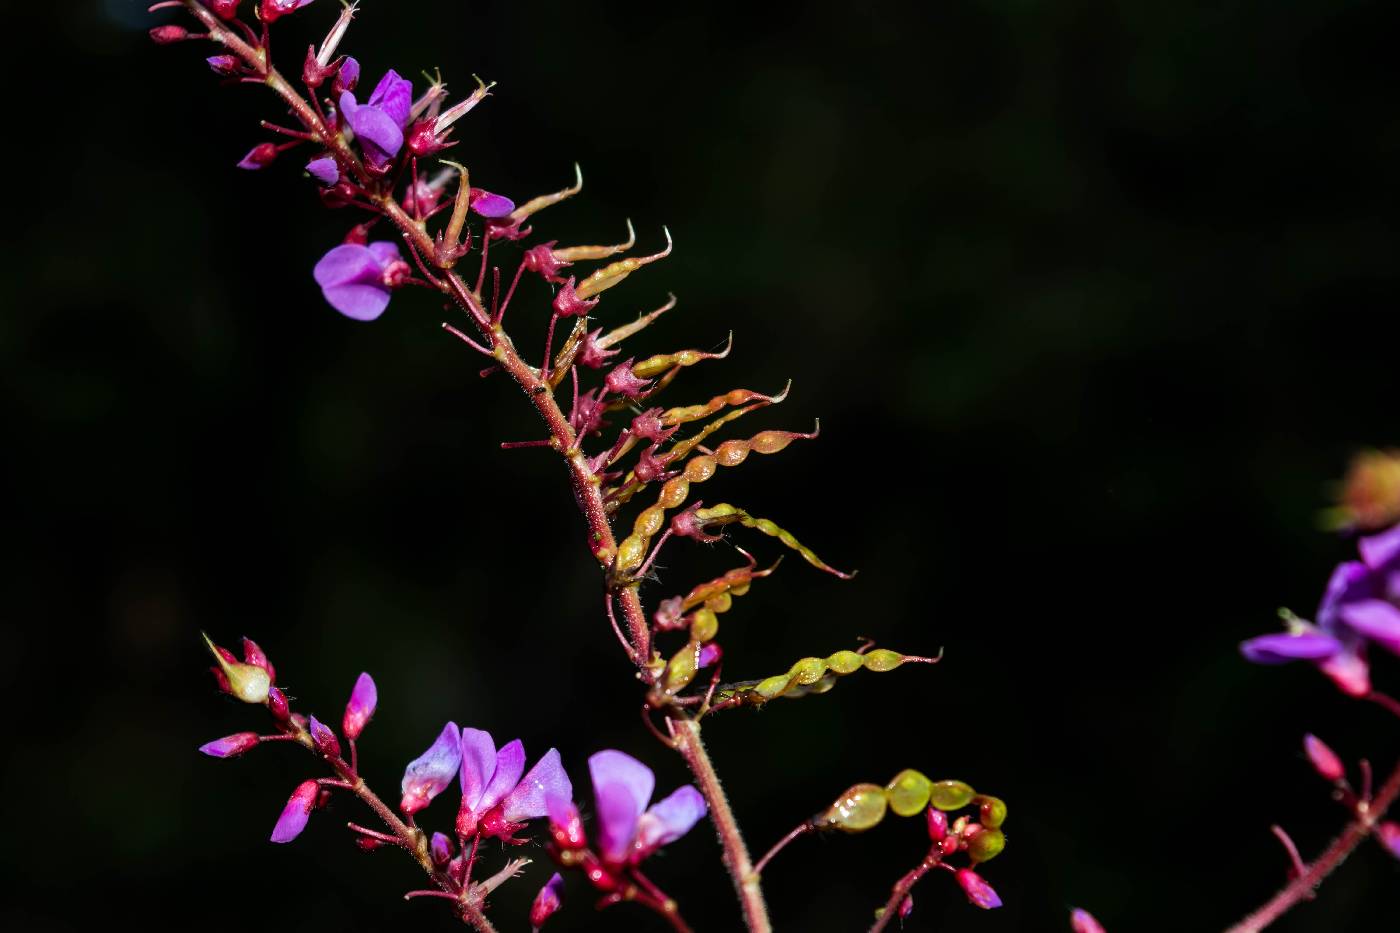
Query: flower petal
<point x="670" y="819"/>
<point x="478" y="764"/>
<point x="364" y="697"/>
<point x="360" y="302"/>
<point x="429" y="774"/>
<point x="1375" y="620"/>
<point x="394" y="96"/>
<point x="1282" y="647"/>
<point x="1379" y="550"/>
<point x="510" y="764"/>
<point x="1350" y="581"/>
<point x="324" y="170"/>
<point x="296" y="812"/>
<point x="491" y="205"/>
<point x="348" y="264"/>
<point x="622" y="788"/>
<point x="1349" y="670"/>
<point x="385" y="252"/>
<point x="530" y="799"/>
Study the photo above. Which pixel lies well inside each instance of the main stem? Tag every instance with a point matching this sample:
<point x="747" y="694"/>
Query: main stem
<point x="1301" y="887"/>
<point x="586" y="484"/>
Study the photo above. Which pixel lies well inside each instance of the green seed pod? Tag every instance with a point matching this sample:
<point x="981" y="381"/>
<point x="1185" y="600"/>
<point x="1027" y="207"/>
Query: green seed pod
<point x="726" y="514"/>
<point x="858" y="809"/>
<point x="704" y="625"/>
<point x="993" y="810"/>
<point x="812" y="675"/>
<point x="610" y="275"/>
<point x="882" y="659"/>
<point x="950" y="795"/>
<point x="807" y="671"/>
<point x="682" y="667"/>
<point x="908" y="792"/>
<point x="846" y="662"/>
<point x="986" y="845"/>
<point x="661" y="362"/>
<point x="770" y="687"/>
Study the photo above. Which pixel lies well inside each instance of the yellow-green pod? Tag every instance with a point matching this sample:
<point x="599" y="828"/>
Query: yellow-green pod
<point x="704" y="625"/>
<point x="723" y="602"/>
<point x="807" y="671"/>
<point x="845" y="662"/>
<point x="681" y="671"/>
<point x="950" y="795"/>
<point x="986" y="845"/>
<point x="858" y="809"/>
<point x="883" y="659"/>
<point x="769" y="687"/>
<point x="629" y="554"/>
<point x="908" y="792"/>
<point x="993" y="810"/>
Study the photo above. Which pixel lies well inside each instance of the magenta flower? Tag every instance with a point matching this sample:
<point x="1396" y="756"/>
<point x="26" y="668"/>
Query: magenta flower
<point x="977" y="890"/>
<point x="1081" y="921"/>
<point x="491" y="205"/>
<point x="1389" y="835"/>
<point x="363" y="699"/>
<point x="296" y="812"/>
<point x="230" y="745"/>
<point x="1324" y="761"/>
<point x="357" y="280"/>
<point x="496" y="800"/>
<point x="429" y="774"/>
<point x="627" y="830"/>
<point x="379" y="123"/>
<point x="324" y="170"/>
<point x="323" y="738"/>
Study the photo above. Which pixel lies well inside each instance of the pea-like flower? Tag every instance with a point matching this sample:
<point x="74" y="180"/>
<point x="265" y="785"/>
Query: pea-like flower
<point x="496" y="800"/>
<point x="429" y="774"/>
<point x="358" y="279"/>
<point x="627" y="830"/>
<point x="379" y="122"/>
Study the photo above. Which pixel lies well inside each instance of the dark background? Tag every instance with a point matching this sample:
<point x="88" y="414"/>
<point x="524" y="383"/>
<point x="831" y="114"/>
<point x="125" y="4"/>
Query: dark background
<point x="1093" y="300"/>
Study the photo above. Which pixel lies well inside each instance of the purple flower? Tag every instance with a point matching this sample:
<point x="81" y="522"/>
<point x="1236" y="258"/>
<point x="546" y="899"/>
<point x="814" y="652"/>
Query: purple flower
<point x="324" y="739"/>
<point x="230" y="745"/>
<point x="324" y="170"/>
<point x="348" y="76"/>
<point x="1081" y="921"/>
<point x="357" y="279"/>
<point x="441" y="849"/>
<point x="622" y="788"/>
<point x="1389" y="834"/>
<point x="379" y="123"/>
<point x="296" y="812"/>
<point x="547" y="901"/>
<point x="429" y="774"/>
<point x="363" y="699"/>
<point x="491" y="205"/>
<point x="977" y="890"/>
<point x="496" y="800"/>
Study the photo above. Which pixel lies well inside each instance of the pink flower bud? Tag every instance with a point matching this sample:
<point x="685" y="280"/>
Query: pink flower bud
<point x="937" y="824"/>
<point x="1389" y="835"/>
<point x="254" y="655"/>
<point x="223" y="9"/>
<point x="547" y="901"/>
<point x="441" y="849"/>
<point x="296" y="812"/>
<point x="1324" y="761"/>
<point x="1081" y="921"/>
<point x="166" y="35"/>
<point x="710" y="653"/>
<point x="277" y="705"/>
<point x="273" y="10"/>
<point x="363" y="699"/>
<point x="226" y="65"/>
<point x="326" y="742"/>
<point x="429" y="774"/>
<point x="978" y="891"/>
<point x="369" y="843"/>
<point x="260" y="156"/>
<point x="230" y="745"/>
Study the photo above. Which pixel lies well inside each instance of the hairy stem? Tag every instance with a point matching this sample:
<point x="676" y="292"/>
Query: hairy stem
<point x="736" y="854"/>
<point x="900" y="891"/>
<point x="1301" y="887"/>
<point x="585" y="483"/>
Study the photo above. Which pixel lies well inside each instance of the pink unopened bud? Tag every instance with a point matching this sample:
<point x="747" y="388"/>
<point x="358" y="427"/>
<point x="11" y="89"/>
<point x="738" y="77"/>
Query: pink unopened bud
<point x="324" y="739"/>
<point x="296" y="812"/>
<point x="252" y="654"/>
<point x="273" y="10"/>
<point x="223" y="9"/>
<point x="369" y="843"/>
<point x="168" y="34"/>
<point x="567" y="303"/>
<point x="441" y="849"/>
<point x="1324" y="761"/>
<point x="277" y="705"/>
<point x="906" y="907"/>
<point x="230" y="745"/>
<point x="937" y="824"/>
<point x="260" y="156"/>
<point x="710" y="653"/>
<point x="977" y="890"/>
<point x="621" y="381"/>
<point x="363" y="699"/>
<point x="1389" y="835"/>
<point x="547" y="901"/>
<point x="226" y="65"/>
<point x="1081" y="921"/>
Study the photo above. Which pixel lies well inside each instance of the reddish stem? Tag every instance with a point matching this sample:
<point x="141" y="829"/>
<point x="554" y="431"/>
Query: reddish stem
<point x="901" y="890"/>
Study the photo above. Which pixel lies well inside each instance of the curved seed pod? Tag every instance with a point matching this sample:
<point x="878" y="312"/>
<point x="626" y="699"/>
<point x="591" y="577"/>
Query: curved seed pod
<point x="676" y="490"/>
<point x="950" y="795"/>
<point x="993" y="810"/>
<point x="810" y="672"/>
<point x="571" y="254"/>
<point x="619" y="334"/>
<point x="565" y="358"/>
<point x="732" y="398"/>
<point x="730" y="581"/>
<point x="681" y="669"/>
<point x="611" y="274"/>
<point x="521" y="213"/>
<point x="908" y="792"/>
<point x="653" y="366"/>
<point x="858" y="809"/>
<point x="714" y="597"/>
<point x="726" y="514"/>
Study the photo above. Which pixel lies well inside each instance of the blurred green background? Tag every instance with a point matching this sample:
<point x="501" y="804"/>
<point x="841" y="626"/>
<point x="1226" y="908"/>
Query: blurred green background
<point x="1093" y="300"/>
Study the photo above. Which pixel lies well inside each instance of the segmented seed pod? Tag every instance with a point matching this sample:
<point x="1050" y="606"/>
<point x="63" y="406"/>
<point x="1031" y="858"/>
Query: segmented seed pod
<point x="856" y="810"/>
<point x="726" y="514"/>
<point x="731" y="399"/>
<point x="613" y="273"/>
<point x="654" y="366"/>
<point x="815" y="672"/>
<point x="950" y="795"/>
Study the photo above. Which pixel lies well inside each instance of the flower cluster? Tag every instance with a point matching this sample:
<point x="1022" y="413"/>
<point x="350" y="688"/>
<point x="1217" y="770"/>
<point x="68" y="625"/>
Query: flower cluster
<point x="1360" y="607"/>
